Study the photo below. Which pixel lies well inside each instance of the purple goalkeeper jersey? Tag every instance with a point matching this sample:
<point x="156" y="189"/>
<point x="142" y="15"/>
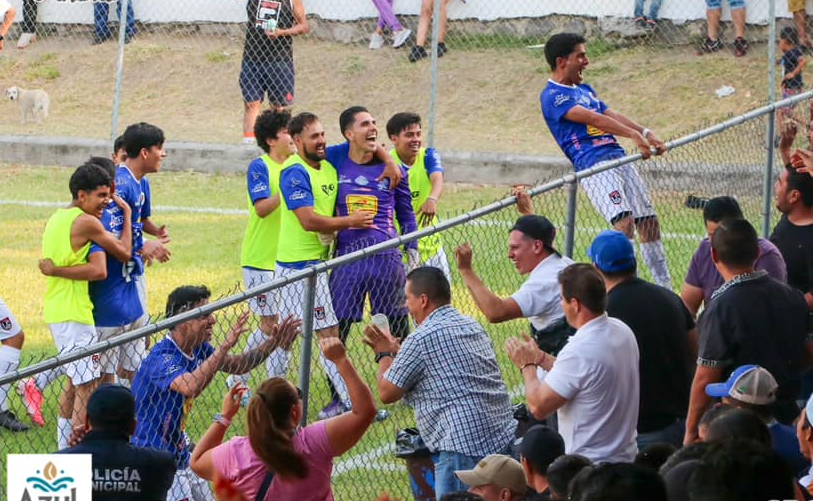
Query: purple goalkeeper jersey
<point x="359" y="190"/>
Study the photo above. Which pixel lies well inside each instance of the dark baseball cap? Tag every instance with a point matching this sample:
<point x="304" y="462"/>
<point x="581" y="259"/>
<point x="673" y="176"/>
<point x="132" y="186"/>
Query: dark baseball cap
<point x="541" y="446"/>
<point x="111" y="406"/>
<point x="537" y="228"/>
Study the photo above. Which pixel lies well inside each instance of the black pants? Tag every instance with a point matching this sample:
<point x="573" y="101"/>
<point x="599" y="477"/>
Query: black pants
<point x="29" y="24"/>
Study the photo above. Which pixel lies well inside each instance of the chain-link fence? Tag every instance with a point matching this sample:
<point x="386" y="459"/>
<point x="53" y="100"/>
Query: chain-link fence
<point x="725" y="159"/>
<point x="198" y="70"/>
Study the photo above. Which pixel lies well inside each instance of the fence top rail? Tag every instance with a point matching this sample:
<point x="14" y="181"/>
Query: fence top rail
<point x="393" y="243"/>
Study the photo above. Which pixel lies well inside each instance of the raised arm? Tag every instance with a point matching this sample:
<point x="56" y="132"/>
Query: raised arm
<point x="88" y="227"/>
<point x="495" y="308"/>
<point x="201" y="460"/>
<point x="541" y="399"/>
<point x="392" y="170"/>
<point x="282" y="335"/>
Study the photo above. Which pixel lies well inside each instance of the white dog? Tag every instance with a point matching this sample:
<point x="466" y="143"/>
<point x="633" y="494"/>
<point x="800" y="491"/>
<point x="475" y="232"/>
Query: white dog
<point x="33" y="103"/>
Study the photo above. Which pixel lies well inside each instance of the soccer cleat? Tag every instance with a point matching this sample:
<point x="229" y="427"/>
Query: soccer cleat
<point x="708" y="46"/>
<point x="10" y="422"/>
<point x="32" y="398"/>
<point x="741" y="47"/>
<point x="333" y="409"/>
<point x="376" y="41"/>
<point x="26" y="39"/>
<point x="442" y="49"/>
<point x="417" y="54"/>
<point x="400" y="37"/>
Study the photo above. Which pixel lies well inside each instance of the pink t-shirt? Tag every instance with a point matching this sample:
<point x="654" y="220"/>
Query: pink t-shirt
<point x="236" y="461"/>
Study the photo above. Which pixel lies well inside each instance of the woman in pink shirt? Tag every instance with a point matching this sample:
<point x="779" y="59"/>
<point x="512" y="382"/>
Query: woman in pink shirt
<point x="300" y="459"/>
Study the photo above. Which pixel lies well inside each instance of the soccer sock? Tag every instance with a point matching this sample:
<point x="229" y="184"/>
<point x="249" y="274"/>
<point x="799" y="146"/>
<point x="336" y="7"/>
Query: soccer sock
<point x="9" y="361"/>
<point x="338" y="383"/>
<point x="655" y="257"/>
<point x="64" y="428"/>
<point x="45" y="378"/>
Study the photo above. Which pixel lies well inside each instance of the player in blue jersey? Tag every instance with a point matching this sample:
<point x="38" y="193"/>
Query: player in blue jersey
<point x="585" y="129"/>
<point x="178" y="369"/>
<point x="382" y="276"/>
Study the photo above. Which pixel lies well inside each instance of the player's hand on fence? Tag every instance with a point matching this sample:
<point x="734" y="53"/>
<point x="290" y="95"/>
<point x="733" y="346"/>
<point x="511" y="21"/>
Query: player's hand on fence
<point x="238" y="329"/>
<point x="77" y="435"/>
<point x="47" y="267"/>
<point x="379" y="340"/>
<point x="284" y="334"/>
<point x="427" y="212"/>
<point x="463" y="254"/>
<point x="332" y="348"/>
<point x="524" y="204"/>
<point x="642" y="144"/>
<point x="361" y="219"/>
<point x="231" y="402"/>
<point x="413" y="259"/>
<point x="802" y="161"/>
<point x="655" y="142"/>
<point x="523" y="351"/>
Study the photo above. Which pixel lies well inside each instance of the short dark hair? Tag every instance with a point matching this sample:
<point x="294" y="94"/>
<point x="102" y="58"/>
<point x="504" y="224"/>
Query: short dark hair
<point x="106" y="164"/>
<point x="561" y="45"/>
<point x="461" y="496"/>
<point x="583" y="282"/>
<point x="300" y="121"/>
<point x="802" y="183"/>
<point x="348" y="117"/>
<point x="720" y="208"/>
<point x="739" y="423"/>
<point x="400" y="121"/>
<point x="618" y="482"/>
<point x="186" y="297"/>
<point x="736" y="243"/>
<point x="141" y="135"/>
<point x="88" y="177"/>
<point x="268" y="125"/>
<point x="654" y="455"/>
<point x="686" y="453"/>
<point x="432" y="282"/>
<point x="118" y="143"/>
<point x="713" y="413"/>
<point x="790" y="35"/>
<point x="562" y="470"/>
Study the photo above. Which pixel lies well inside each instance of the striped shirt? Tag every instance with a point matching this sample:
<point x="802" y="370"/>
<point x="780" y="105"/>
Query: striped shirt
<point x="450" y="376"/>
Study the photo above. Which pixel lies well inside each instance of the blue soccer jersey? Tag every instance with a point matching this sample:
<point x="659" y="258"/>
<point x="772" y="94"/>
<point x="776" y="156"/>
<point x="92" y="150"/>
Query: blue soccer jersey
<point x="160" y="411"/>
<point x="359" y="190"/>
<point x="115" y="299"/>
<point x="584" y="145"/>
<point x="131" y="191"/>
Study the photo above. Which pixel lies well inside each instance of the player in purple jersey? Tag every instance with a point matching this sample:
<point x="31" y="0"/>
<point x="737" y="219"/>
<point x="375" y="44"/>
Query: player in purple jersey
<point x="382" y="276"/>
<point x="585" y="129"/>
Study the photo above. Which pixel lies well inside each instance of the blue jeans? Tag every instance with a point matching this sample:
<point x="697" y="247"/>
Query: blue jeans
<point x="445" y="465"/>
<point x="654" y="7"/>
<point x="101" y="11"/>
<point x="672" y="434"/>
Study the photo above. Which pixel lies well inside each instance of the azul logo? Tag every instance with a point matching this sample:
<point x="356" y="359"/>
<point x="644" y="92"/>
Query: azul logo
<point x="49" y="477"/>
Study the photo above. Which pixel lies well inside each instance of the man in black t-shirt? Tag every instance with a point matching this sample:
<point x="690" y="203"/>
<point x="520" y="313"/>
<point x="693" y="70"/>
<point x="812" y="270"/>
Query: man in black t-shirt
<point x="666" y="336"/>
<point x="751" y="319"/>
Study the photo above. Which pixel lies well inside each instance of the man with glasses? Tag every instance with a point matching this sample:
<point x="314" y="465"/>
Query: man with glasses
<point x="178" y="369"/>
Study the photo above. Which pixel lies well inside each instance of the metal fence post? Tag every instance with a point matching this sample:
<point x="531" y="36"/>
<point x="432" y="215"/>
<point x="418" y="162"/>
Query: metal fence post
<point x="570" y="223"/>
<point x="433" y="75"/>
<point x="114" y="119"/>
<point x="770" y="129"/>
<point x="307" y="340"/>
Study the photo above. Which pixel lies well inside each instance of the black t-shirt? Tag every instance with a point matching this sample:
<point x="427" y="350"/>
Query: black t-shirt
<point x="124" y="472"/>
<point x="755" y="319"/>
<point x="660" y="323"/>
<point x="796" y="245"/>
<point x="790" y="60"/>
<point x="262" y="15"/>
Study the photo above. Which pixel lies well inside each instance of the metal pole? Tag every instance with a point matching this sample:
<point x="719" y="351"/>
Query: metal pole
<point x="433" y="75"/>
<point x="770" y="129"/>
<point x="570" y="224"/>
<point x="114" y="120"/>
<point x="307" y="340"/>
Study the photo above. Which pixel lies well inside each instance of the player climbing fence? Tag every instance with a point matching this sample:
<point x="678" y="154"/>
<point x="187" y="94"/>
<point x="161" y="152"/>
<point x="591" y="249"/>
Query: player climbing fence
<point x="728" y="158"/>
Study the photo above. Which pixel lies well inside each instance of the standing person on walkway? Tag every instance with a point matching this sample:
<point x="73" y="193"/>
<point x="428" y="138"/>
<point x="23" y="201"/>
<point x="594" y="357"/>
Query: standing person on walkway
<point x="586" y="129"/>
<point x="387" y="19"/>
<point x="267" y="68"/>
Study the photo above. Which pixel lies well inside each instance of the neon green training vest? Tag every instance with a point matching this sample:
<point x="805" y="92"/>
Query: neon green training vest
<point x="65" y="300"/>
<point x="262" y="233"/>
<point x="420" y="187"/>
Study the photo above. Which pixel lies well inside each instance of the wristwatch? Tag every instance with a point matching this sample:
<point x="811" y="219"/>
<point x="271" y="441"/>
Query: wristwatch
<point x="382" y="354"/>
<point x="220" y="418"/>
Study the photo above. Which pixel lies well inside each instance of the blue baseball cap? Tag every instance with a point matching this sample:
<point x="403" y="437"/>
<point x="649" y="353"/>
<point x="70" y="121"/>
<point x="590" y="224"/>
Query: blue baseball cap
<point x="611" y="251"/>
<point x="751" y="384"/>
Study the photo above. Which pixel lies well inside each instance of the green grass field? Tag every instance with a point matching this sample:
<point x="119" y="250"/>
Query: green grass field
<point x="205" y="247"/>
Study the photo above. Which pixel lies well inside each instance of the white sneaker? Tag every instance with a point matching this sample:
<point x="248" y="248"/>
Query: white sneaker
<point x="400" y="38"/>
<point x="376" y="41"/>
<point x="26" y="39"/>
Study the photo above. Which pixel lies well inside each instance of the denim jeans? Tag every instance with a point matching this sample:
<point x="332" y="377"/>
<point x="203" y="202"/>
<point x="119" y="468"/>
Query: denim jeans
<point x="672" y="434"/>
<point x="654" y="7"/>
<point x="101" y="11"/>
<point x="445" y="465"/>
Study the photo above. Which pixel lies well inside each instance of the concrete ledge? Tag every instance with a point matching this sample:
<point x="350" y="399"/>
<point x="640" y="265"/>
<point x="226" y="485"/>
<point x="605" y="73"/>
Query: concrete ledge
<point x="468" y="167"/>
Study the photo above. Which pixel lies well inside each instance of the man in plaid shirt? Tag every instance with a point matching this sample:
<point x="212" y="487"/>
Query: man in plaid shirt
<point x="447" y="371"/>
